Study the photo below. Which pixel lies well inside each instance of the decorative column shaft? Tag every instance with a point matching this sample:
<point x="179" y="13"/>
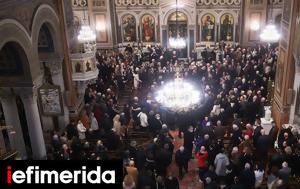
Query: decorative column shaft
<point x="34" y="124"/>
<point x="11" y="115"/>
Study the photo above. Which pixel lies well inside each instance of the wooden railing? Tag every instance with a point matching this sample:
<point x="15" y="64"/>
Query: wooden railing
<point x="11" y="155"/>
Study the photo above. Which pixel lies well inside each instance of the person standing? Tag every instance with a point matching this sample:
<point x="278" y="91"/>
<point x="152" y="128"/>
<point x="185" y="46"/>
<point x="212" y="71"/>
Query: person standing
<point x="71" y="130"/>
<point x="143" y="120"/>
<point x="171" y="182"/>
<point x="182" y="160"/>
<point x="263" y="146"/>
<point x="188" y="141"/>
<point x="81" y="130"/>
<point x="221" y="162"/>
<point x="136" y="79"/>
<point x="202" y="157"/>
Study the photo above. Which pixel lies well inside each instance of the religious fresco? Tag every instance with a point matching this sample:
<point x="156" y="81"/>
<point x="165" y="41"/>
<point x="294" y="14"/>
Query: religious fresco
<point x="129" y="28"/>
<point x="148" y="28"/>
<point x="227" y="27"/>
<point x="208" y="27"/>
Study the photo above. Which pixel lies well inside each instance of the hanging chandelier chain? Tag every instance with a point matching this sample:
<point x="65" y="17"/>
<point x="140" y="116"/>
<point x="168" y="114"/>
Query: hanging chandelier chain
<point x="176" y="18"/>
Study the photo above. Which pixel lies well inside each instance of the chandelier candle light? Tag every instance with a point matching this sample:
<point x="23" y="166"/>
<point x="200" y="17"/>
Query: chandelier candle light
<point x="178" y="95"/>
<point x="86" y="34"/>
<point x="270" y="33"/>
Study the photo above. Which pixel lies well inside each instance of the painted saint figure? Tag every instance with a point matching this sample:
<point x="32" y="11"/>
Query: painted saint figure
<point x="208" y="28"/>
<point x="129" y="28"/>
<point x="148" y="28"/>
<point x="227" y="27"/>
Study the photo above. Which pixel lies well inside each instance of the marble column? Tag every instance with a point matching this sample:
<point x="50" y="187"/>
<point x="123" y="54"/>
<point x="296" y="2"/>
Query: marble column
<point x="11" y="115"/>
<point x="29" y="98"/>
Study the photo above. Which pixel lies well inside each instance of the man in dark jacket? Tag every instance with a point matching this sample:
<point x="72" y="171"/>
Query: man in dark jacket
<point x="188" y="141"/>
<point x="247" y="177"/>
<point x="182" y="160"/>
<point x="263" y="146"/>
<point x="163" y="160"/>
<point x="171" y="182"/>
<point x="71" y="130"/>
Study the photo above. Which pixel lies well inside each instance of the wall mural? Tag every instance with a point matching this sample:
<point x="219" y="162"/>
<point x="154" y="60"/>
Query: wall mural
<point x="129" y="28"/>
<point x="148" y="28"/>
<point x="208" y="27"/>
<point x="227" y="26"/>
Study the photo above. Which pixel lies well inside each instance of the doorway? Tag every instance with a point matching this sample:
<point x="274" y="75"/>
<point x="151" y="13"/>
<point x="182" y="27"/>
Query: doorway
<point x="177" y="27"/>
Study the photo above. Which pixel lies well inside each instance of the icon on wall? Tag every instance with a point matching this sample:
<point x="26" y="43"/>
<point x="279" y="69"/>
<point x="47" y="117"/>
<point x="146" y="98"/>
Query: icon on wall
<point x="129" y="28"/>
<point x="148" y="28"/>
<point x="50" y="99"/>
<point x="226" y="30"/>
<point x="208" y="27"/>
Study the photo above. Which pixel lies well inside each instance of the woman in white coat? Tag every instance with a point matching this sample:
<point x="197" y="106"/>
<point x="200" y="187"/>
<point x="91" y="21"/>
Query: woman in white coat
<point x="136" y="79"/>
<point x="94" y="123"/>
<point x="81" y="130"/>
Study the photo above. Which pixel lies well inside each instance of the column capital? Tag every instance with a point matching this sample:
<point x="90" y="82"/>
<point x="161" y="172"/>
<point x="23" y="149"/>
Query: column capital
<point x="6" y="93"/>
<point x="27" y="93"/>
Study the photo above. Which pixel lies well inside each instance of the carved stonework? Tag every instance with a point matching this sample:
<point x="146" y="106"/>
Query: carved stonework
<point x="79" y="3"/>
<point x="218" y="2"/>
<point x="137" y="2"/>
<point x="276" y="2"/>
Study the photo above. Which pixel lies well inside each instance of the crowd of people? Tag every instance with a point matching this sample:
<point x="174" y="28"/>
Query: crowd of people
<point x="224" y="134"/>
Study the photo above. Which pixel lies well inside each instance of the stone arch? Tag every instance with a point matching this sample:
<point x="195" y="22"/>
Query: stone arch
<point x="13" y="32"/>
<point x="207" y="12"/>
<point x="46" y="17"/>
<point x="150" y="13"/>
<point x="172" y="10"/>
<point x="121" y="15"/>
<point x="234" y="14"/>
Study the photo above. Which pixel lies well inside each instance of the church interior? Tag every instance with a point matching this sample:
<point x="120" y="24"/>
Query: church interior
<point x="187" y="93"/>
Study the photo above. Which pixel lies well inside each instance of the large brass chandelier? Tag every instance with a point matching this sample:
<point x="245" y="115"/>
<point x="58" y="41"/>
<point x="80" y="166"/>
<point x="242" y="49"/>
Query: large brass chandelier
<point x="178" y="95"/>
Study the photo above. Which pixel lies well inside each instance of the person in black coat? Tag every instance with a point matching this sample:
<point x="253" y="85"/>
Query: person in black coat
<point x="171" y="182"/>
<point x="263" y="146"/>
<point x="188" y="141"/>
<point x="236" y="136"/>
<point x="163" y="160"/>
<point x="182" y="159"/>
<point x="71" y="130"/>
<point x="247" y="177"/>
<point x="112" y="140"/>
<point x="257" y="134"/>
